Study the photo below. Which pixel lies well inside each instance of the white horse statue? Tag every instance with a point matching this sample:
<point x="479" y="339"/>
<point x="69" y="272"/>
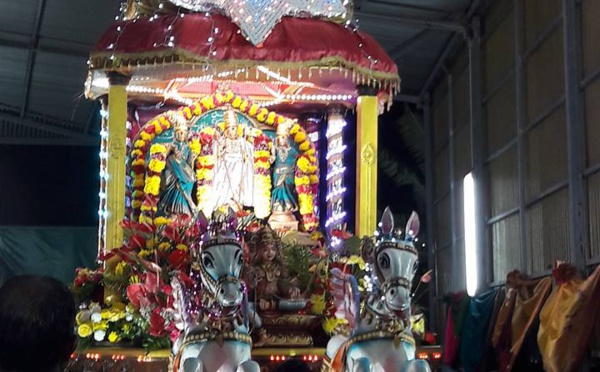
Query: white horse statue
<point x="213" y="312"/>
<point x="380" y="339"/>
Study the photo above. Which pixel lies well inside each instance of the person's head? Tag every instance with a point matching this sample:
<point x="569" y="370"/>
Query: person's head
<point x="37" y="316"/>
<point x="293" y="365"/>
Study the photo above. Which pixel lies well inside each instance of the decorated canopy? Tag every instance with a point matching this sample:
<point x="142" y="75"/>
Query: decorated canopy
<point x="176" y="53"/>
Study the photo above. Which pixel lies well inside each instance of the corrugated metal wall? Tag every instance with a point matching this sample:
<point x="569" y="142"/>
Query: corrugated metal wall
<point x="531" y="174"/>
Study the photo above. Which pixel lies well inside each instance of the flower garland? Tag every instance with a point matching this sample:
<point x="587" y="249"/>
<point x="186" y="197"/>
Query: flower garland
<point x="306" y="179"/>
<point x="262" y="175"/>
<point x="158" y="155"/>
<point x="205" y="163"/>
<point x="138" y="160"/>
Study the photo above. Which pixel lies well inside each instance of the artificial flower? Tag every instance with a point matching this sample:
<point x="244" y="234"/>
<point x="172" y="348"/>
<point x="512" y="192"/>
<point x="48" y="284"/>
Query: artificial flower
<point x="138" y="182"/>
<point x="253" y="109"/>
<point x="317" y="304"/>
<point x="300" y="137"/>
<point x="206" y="160"/>
<point x="156" y="165"/>
<point x="145" y="136"/>
<point x="164" y="246"/>
<point x="96" y="317"/>
<point x="331" y="324"/>
<point x="158" y="149"/>
<point x="113" y="337"/>
<point x="303" y="164"/>
<point x="99" y="335"/>
<point x="354" y="260"/>
<point x="139" y="162"/>
<point x="100" y="326"/>
<point x="152" y="186"/>
<point x="84" y="330"/>
<point x="83" y="317"/>
<point x="304" y="146"/>
<point x="120" y="268"/>
<point x="195" y="146"/>
<point x="160" y="221"/>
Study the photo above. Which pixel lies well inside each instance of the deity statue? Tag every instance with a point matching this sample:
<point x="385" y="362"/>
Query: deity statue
<point x="268" y="276"/>
<point x="284" y="197"/>
<point x="178" y="177"/>
<point x="233" y="180"/>
<point x="277" y="297"/>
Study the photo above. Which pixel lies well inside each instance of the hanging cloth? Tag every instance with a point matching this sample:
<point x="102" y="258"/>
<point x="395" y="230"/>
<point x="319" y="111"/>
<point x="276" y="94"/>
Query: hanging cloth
<point x="522" y="304"/>
<point x="568" y="318"/>
<point x="488" y="360"/>
<point x="472" y="339"/>
<point x="458" y="306"/>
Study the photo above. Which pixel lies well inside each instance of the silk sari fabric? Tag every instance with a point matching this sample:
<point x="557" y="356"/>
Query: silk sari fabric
<point x="568" y="319"/>
<point x="520" y="310"/>
<point x="472" y="340"/>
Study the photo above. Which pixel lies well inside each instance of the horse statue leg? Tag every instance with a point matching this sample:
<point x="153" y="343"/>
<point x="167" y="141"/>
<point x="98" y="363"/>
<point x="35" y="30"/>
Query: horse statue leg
<point x="248" y="366"/>
<point x="360" y="365"/>
<point x="416" y="365"/>
<point x="192" y="365"/>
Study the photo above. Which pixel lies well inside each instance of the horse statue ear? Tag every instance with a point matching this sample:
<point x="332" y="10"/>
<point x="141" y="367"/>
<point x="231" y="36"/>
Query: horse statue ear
<point x="232" y="220"/>
<point x="202" y="222"/>
<point x="412" y="226"/>
<point x="387" y="221"/>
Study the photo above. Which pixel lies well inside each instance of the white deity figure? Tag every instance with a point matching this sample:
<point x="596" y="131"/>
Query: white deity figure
<point x="233" y="182"/>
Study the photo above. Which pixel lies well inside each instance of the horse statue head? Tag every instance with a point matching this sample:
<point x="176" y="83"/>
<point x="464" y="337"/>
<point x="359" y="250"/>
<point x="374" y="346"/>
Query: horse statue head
<point x="395" y="261"/>
<point x="220" y="261"/>
<point x="212" y="310"/>
<point x="380" y="338"/>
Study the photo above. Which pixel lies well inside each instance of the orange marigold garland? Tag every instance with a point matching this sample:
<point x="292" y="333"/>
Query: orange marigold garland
<point x="205" y="163"/>
<point x="306" y="178"/>
<point x="158" y="155"/>
<point x="138" y="160"/>
<point x="262" y="175"/>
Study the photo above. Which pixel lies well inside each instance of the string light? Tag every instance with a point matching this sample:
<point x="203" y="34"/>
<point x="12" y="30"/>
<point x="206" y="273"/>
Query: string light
<point x="335" y="171"/>
<point x="103" y="177"/>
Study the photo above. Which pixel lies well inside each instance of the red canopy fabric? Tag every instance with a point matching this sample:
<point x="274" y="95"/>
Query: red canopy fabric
<point x="293" y="43"/>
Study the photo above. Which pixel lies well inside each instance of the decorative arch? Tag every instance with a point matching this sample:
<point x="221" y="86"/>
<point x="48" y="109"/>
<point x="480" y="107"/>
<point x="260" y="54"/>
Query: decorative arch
<point x="148" y="159"/>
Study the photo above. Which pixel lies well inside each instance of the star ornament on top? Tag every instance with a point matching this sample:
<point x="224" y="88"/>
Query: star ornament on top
<point x="257" y="18"/>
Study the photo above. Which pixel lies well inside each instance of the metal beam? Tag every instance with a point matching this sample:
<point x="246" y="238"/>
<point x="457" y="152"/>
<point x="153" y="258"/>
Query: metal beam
<point x="431" y="228"/>
<point x="451" y="140"/>
<point x="520" y="122"/>
<point x="33" y="44"/>
<point x="478" y="151"/>
<point x="411" y="7"/>
<point x="575" y="130"/>
<point x="17" y="44"/>
<point x="403" y="21"/>
<point x="45" y="127"/>
<point x="450" y="45"/>
<point x="47" y="141"/>
<point x="408" y="44"/>
<point x="406" y="98"/>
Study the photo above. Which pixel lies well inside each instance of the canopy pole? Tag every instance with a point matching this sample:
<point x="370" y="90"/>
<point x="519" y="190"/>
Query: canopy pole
<point x="116" y="162"/>
<point x="366" y="159"/>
